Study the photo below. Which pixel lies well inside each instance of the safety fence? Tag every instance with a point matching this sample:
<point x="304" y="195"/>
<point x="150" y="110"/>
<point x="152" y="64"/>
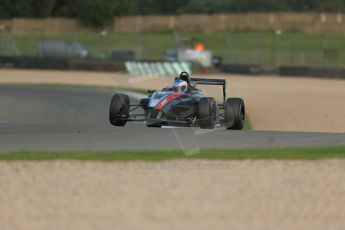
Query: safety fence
<point x="157" y="68"/>
<point x="307" y="22"/>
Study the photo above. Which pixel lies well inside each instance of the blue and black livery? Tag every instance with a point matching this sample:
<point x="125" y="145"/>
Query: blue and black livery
<point x="169" y="107"/>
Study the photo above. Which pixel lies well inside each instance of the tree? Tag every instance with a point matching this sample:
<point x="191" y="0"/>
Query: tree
<point x="146" y="7"/>
<point x="258" y="6"/>
<point x="93" y="12"/>
<point x="43" y="8"/>
<point x="5" y="9"/>
<point x="207" y="6"/>
<point x="63" y="8"/>
<point x="21" y="8"/>
<point x="171" y="7"/>
<point x="124" y="7"/>
<point x="332" y="6"/>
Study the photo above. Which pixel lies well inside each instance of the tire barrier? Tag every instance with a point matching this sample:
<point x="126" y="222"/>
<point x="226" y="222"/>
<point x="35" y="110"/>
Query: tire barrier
<point x="294" y="70"/>
<point x="157" y="68"/>
<point x="240" y="69"/>
<point x="25" y="62"/>
<point x="316" y="72"/>
<point x="297" y="71"/>
<point x="149" y="68"/>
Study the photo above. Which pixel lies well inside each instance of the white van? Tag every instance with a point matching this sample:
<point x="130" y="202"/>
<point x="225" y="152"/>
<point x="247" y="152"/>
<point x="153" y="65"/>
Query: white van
<point x="62" y="49"/>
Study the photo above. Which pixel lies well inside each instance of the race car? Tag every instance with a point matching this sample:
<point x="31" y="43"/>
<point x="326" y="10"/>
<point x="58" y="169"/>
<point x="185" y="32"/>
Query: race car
<point x="183" y="104"/>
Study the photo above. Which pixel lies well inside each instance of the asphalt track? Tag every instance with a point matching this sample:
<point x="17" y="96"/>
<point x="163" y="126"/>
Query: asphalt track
<point x="76" y="118"/>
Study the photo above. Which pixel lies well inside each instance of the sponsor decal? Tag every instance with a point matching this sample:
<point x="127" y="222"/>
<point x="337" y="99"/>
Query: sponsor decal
<point x="167" y="99"/>
<point x="154" y="102"/>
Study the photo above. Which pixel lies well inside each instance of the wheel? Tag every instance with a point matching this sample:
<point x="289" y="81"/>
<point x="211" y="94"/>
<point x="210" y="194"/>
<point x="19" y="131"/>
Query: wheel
<point x="234" y="113"/>
<point x="119" y="108"/>
<point x="207" y="113"/>
<point x="153" y="125"/>
<point x="152" y="121"/>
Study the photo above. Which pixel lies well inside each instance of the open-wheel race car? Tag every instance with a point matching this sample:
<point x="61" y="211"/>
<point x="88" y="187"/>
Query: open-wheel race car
<point x="183" y="104"/>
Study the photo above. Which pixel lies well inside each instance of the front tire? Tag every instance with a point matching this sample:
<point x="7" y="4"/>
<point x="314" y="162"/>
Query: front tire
<point x="207" y="113"/>
<point x="119" y="109"/>
<point x="152" y="124"/>
<point x="234" y="113"/>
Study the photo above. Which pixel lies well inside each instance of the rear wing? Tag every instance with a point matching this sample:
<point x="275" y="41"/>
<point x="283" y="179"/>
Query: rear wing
<point x="208" y="81"/>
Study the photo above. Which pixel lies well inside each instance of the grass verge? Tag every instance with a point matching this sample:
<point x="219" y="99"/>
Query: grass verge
<point x="262" y="48"/>
<point x="247" y="124"/>
<point x="208" y="154"/>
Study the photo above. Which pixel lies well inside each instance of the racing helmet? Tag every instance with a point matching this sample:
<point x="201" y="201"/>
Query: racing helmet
<point x="184" y="76"/>
<point x="180" y="86"/>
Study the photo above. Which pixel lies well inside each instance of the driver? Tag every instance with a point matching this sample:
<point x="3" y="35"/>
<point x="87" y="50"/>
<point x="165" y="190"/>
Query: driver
<point x="181" y="86"/>
<point x="185" y="76"/>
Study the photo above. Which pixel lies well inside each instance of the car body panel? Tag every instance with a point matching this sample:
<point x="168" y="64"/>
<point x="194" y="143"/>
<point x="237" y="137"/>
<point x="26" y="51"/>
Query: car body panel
<point x="169" y="106"/>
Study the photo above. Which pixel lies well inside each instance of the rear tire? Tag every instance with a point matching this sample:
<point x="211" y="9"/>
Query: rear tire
<point x="207" y="113"/>
<point x="234" y="113"/>
<point x="119" y="108"/>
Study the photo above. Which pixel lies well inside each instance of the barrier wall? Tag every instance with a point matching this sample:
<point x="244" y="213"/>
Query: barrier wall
<point x="22" y="62"/>
<point x="145" y="68"/>
<point x="157" y="68"/>
<point x="302" y="22"/>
